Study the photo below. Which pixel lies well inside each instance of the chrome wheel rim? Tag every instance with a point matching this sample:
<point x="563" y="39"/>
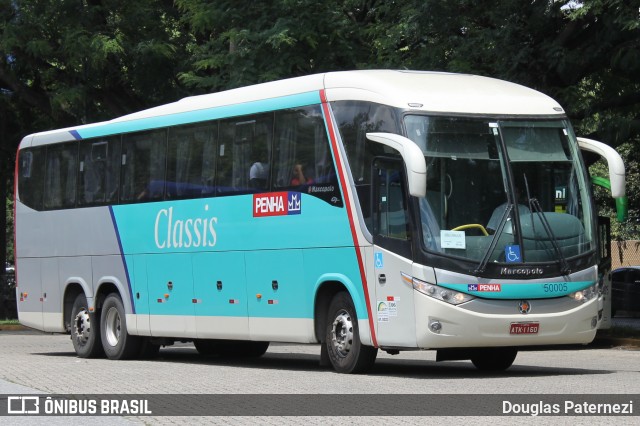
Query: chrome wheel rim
<point x="342" y="333"/>
<point x="112" y="326"/>
<point x="82" y="327"/>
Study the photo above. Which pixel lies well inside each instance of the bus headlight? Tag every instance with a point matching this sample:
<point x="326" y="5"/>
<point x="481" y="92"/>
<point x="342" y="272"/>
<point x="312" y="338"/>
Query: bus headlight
<point x="585" y="295"/>
<point x="446" y="295"/>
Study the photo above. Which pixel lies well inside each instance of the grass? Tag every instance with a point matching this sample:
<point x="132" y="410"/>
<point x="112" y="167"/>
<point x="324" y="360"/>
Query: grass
<point x="9" y="322"/>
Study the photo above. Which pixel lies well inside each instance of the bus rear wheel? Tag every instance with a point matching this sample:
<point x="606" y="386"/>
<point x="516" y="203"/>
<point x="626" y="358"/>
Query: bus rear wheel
<point x="494" y="359"/>
<point x="342" y="338"/>
<point x="85" y="329"/>
<point x="116" y="340"/>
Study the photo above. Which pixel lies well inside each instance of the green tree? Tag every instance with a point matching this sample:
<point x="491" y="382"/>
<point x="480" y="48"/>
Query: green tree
<point x="238" y="43"/>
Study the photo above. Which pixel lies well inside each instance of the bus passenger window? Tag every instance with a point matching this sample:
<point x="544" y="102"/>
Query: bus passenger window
<point x="243" y="163"/>
<point x="190" y="161"/>
<point x="60" y="176"/>
<point x="99" y="167"/>
<point x="31" y="177"/>
<point x="143" y="166"/>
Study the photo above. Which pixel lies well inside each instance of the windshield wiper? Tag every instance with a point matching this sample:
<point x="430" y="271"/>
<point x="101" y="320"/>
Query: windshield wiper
<point x="564" y="266"/>
<point x="534" y="205"/>
<point x="494" y="241"/>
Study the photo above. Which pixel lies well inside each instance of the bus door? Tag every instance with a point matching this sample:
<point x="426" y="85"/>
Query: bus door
<point x="604" y="271"/>
<point x="392" y="232"/>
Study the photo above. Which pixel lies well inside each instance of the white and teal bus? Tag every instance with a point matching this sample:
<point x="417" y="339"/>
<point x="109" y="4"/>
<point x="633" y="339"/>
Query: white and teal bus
<point x="361" y="210"/>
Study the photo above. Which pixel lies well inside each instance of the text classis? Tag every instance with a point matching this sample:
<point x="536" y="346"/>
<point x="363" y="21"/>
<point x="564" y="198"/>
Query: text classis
<point x="170" y="232"/>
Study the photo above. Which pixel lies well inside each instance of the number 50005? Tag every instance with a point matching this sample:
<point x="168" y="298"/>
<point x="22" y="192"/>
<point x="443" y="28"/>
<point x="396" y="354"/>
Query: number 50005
<point x="555" y="287"/>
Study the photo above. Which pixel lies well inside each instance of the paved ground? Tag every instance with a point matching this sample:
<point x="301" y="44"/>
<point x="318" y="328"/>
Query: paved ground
<point x="38" y="362"/>
<point x="32" y="362"/>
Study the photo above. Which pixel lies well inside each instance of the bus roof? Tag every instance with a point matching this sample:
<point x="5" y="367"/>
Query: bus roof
<point x="435" y="92"/>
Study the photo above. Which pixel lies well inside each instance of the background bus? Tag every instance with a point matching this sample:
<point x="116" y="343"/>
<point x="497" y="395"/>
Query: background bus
<point x="349" y="208"/>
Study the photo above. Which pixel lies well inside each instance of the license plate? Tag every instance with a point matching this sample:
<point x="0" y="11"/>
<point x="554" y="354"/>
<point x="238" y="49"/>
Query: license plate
<point x="524" y="328"/>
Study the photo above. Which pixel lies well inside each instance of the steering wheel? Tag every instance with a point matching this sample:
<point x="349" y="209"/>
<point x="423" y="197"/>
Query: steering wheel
<point x="472" y="225"/>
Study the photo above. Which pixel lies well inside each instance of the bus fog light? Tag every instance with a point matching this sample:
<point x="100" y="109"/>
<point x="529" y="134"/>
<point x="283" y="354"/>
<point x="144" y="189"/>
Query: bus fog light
<point x="594" y="322"/>
<point x="435" y="326"/>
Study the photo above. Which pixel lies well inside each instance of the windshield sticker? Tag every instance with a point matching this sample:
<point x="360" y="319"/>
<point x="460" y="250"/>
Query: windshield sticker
<point x="512" y="254"/>
<point x="452" y="239"/>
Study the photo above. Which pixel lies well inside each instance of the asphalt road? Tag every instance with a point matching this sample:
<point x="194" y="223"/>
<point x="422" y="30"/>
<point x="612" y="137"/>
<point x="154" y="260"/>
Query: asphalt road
<point x="44" y="363"/>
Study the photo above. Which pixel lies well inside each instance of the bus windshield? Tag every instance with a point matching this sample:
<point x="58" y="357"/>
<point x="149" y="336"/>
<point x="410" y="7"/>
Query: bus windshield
<point x="502" y="191"/>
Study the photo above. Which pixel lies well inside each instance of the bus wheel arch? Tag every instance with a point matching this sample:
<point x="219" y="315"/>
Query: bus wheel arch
<point x="71" y="292"/>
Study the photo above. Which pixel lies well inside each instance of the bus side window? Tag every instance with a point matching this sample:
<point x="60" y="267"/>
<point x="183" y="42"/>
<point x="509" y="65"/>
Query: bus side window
<point x="143" y="166"/>
<point x="244" y="155"/>
<point x="31" y="177"/>
<point x="60" y="176"/>
<point x="391" y="227"/>
<point x="99" y="166"/>
<point x="189" y="161"/>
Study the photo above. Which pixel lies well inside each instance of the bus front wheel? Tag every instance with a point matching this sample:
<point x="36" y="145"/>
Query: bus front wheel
<point x="116" y="341"/>
<point x="85" y="329"/>
<point x="494" y="359"/>
<point x="342" y="340"/>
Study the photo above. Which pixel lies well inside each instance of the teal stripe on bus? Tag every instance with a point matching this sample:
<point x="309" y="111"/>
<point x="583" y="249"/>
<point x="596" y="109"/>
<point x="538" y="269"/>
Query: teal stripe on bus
<point x="205" y="114"/>
<point x="523" y="290"/>
<point x="176" y="251"/>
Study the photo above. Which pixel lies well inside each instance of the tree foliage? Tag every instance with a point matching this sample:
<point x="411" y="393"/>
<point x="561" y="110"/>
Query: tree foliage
<point x="67" y="62"/>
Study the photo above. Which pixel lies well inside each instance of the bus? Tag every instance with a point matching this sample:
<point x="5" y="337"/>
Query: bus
<point x="359" y="210"/>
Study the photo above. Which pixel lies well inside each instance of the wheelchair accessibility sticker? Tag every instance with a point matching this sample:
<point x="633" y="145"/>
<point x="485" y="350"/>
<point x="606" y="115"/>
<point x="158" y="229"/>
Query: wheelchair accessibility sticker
<point x="512" y="254"/>
<point x="379" y="261"/>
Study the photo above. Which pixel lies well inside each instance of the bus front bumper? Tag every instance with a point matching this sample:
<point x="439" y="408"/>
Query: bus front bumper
<point x="487" y="323"/>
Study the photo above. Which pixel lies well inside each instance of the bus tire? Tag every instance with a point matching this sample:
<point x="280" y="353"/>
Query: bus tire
<point x="342" y="339"/>
<point x="494" y="359"/>
<point x="116" y="341"/>
<point x="85" y="329"/>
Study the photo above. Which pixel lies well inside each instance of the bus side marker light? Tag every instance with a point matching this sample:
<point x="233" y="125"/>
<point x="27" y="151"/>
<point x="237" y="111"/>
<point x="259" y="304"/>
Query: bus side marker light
<point x="234" y="301"/>
<point x="166" y="295"/>
<point x="259" y="296"/>
<point x="160" y="301"/>
<point x="272" y="301"/>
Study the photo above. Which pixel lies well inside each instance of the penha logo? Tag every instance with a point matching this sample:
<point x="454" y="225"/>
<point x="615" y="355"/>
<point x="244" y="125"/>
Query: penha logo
<point x="277" y="204"/>
<point x="485" y="287"/>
